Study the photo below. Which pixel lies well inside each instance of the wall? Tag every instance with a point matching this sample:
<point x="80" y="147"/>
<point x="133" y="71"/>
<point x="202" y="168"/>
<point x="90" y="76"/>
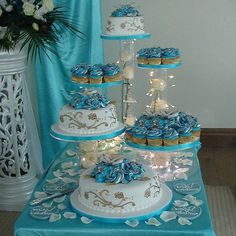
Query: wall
<point x="205" y="32"/>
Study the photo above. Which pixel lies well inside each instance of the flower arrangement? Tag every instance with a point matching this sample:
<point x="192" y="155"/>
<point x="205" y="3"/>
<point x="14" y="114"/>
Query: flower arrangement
<point x="35" y="24"/>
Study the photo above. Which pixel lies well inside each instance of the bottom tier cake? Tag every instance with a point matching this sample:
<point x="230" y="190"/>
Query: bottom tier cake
<point x="119" y="188"/>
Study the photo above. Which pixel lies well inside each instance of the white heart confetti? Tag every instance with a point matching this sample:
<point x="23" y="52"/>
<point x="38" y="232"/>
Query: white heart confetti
<point x="86" y="220"/>
<point x="59" y="199"/>
<point x="66" y="165"/>
<point x="38" y="194"/>
<point x="180" y="203"/>
<point x="132" y="223"/>
<point x="61" y="206"/>
<point x="47" y="204"/>
<point x="168" y="216"/>
<point x="184" y="221"/>
<point x="69" y="215"/>
<point x="54" y="217"/>
<point x="52" y="181"/>
<point x="153" y="221"/>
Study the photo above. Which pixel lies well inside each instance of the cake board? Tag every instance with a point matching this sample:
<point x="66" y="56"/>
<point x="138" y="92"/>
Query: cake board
<point x="195" y="144"/>
<point x="162" y="205"/>
<point x="62" y="135"/>
<point x="161" y="66"/>
<point x="125" y="37"/>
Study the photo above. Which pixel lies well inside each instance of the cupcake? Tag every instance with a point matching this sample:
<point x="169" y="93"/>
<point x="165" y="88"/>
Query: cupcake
<point x="142" y="56"/>
<point x="170" y="137"/>
<point x="185" y="134"/>
<point x="80" y="73"/>
<point x="112" y="72"/>
<point x="170" y="56"/>
<point x="154" y="137"/>
<point x="154" y="56"/>
<point x="139" y="135"/>
<point x="95" y="74"/>
<point x="129" y="134"/>
<point x="196" y="130"/>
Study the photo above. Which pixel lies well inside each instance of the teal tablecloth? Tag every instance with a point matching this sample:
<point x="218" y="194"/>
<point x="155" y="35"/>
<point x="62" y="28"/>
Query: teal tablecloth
<point x="202" y="226"/>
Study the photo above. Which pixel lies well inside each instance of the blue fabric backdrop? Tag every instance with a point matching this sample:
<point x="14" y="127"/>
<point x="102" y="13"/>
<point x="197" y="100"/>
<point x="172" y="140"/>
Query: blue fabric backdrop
<point x="52" y="76"/>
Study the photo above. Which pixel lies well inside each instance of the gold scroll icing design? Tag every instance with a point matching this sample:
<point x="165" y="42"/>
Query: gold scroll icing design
<point x="132" y="26"/>
<point x="74" y="121"/>
<point x="153" y="189"/>
<point x="100" y="199"/>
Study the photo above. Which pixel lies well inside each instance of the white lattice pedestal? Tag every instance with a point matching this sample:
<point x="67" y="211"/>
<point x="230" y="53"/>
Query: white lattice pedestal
<point x="17" y="176"/>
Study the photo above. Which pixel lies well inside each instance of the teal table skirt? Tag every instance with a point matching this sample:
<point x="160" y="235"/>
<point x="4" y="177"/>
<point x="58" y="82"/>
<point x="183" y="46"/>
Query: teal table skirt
<point x="202" y="226"/>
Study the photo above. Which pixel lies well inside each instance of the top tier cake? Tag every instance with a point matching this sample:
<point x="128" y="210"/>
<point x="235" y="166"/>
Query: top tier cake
<point x="124" y="21"/>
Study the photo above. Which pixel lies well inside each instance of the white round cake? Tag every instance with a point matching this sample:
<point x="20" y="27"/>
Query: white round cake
<point x="121" y="198"/>
<point x="125" y="26"/>
<point x="84" y="121"/>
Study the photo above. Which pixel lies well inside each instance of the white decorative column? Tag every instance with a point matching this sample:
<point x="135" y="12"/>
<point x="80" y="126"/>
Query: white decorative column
<point x="17" y="175"/>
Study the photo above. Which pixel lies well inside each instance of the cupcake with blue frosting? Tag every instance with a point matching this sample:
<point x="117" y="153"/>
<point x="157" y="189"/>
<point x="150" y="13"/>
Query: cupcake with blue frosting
<point x="80" y="73"/>
<point x="170" y="56"/>
<point x="185" y="133"/>
<point x="154" y="137"/>
<point x="154" y="56"/>
<point x="139" y="135"/>
<point x="95" y="74"/>
<point x="142" y="56"/>
<point x="129" y="134"/>
<point x="170" y="137"/>
<point x="196" y="130"/>
<point x="112" y="72"/>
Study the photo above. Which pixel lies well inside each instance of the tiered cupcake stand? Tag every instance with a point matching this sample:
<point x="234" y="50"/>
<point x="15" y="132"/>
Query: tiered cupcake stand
<point x="157" y="72"/>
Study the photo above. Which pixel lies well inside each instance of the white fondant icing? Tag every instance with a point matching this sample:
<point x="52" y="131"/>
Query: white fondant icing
<point x="125" y="25"/>
<point x="119" y="198"/>
<point x="84" y="121"/>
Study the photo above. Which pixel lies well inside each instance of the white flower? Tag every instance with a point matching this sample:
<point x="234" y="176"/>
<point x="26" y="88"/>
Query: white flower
<point x="2" y="32"/>
<point x="0" y="11"/>
<point x="28" y="9"/>
<point x="39" y="13"/>
<point x="3" y="3"/>
<point x="48" y="4"/>
<point x="35" y="26"/>
<point x="9" y="8"/>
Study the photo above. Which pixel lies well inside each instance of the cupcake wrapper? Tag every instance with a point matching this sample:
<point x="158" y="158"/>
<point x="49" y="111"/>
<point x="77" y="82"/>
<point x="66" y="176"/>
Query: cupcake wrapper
<point x="196" y="133"/>
<point x="154" y="61"/>
<point x="170" y="60"/>
<point x="154" y="142"/>
<point x="139" y="140"/>
<point x="116" y="77"/>
<point x="142" y="60"/>
<point x="95" y="81"/>
<point x="81" y="80"/>
<point x="186" y="139"/>
<point x="170" y="142"/>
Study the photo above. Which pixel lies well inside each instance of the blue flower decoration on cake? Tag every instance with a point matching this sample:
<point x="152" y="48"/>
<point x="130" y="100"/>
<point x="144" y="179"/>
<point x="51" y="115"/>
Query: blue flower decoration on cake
<point x="122" y="172"/>
<point x="170" y="53"/>
<point x="88" y="99"/>
<point x="126" y="10"/>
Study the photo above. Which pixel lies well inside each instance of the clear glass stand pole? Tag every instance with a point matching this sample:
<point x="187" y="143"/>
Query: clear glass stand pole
<point x="127" y="60"/>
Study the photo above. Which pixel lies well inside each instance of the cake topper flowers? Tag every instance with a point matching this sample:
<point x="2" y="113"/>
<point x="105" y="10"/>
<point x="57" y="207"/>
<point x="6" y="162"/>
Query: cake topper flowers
<point x="35" y="24"/>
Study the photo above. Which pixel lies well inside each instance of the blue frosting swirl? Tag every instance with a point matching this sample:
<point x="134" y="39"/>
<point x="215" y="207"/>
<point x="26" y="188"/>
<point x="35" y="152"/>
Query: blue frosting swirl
<point x="154" y="133"/>
<point x="170" y="52"/>
<point x="126" y="10"/>
<point x="122" y="172"/>
<point x="111" y="69"/>
<point x="95" y="71"/>
<point x="88" y="99"/>
<point x="169" y="133"/>
<point x="80" y="70"/>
